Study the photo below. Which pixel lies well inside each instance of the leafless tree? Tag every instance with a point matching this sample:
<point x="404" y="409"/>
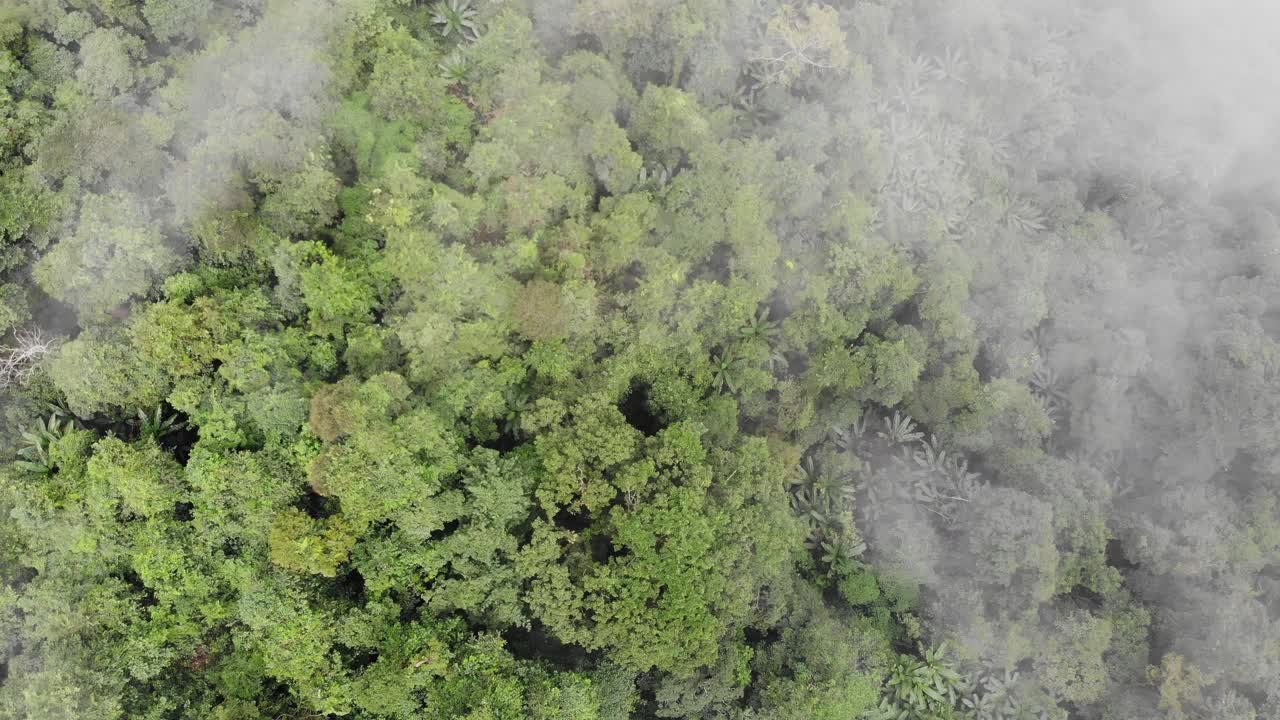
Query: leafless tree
<point x="795" y="40"/>
<point x="19" y="361"/>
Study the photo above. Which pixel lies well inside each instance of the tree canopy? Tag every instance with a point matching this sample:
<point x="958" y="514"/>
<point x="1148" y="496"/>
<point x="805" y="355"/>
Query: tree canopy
<point x="607" y="359"/>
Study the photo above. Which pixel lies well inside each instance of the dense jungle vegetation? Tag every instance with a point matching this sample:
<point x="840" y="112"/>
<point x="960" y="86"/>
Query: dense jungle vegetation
<point x="608" y="359"/>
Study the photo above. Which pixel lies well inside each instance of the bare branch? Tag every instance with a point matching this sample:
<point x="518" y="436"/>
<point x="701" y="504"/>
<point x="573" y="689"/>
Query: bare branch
<point x="795" y="40"/>
<point x="17" y="363"/>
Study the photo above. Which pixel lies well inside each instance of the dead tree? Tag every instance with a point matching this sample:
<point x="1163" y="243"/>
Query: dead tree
<point x="18" y="362"/>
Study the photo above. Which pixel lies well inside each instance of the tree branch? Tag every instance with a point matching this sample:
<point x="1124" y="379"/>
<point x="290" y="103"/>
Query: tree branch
<point x="17" y="363"/>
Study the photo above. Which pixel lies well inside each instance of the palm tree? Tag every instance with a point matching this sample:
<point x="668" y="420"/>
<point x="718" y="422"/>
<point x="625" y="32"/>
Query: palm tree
<point x="1042" y="337"/>
<point x="36" y="452"/>
<point x="841" y="552"/>
<point x="1021" y="214"/>
<point x="963" y="482"/>
<point x="1045" y="382"/>
<point x="156" y="425"/>
<point x="760" y="328"/>
<point x="931" y="457"/>
<point x="724" y="371"/>
<point x="848" y="439"/>
<point x="998" y="697"/>
<point x="910" y="88"/>
<point x="900" y="430"/>
<point x="951" y="65"/>
<point x="810" y="502"/>
<point x="1047" y="388"/>
<point x="747" y="99"/>
<point x="517" y="401"/>
<point x="454" y="17"/>
<point x="826" y="502"/>
<point x="811" y="471"/>
<point x="455" y="68"/>
<point x="924" y="687"/>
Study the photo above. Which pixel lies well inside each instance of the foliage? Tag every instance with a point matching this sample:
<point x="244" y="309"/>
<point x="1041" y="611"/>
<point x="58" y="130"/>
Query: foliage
<point x="98" y="371"/>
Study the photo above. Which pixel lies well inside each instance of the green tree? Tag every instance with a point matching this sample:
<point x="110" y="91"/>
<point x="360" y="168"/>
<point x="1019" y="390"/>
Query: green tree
<point x="304" y="544"/>
<point x="667" y="125"/>
<point x="145" y="477"/>
<point x="174" y="19"/>
<point x="100" y="371"/>
<point x="116" y="253"/>
<point x="109" y="62"/>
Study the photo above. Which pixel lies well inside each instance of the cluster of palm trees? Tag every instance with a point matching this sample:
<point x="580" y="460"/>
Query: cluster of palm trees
<point x="878" y="472"/>
<point x="36" y="453"/>
<point x="729" y="362"/>
<point x="928" y="685"/>
<point x="908" y="468"/>
<point x="455" y="20"/>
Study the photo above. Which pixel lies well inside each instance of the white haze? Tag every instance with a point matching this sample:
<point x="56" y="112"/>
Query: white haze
<point x="1184" y="96"/>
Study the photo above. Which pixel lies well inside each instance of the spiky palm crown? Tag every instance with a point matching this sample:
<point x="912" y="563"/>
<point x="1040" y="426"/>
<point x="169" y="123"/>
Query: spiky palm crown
<point x="455" y="68"/>
<point x="156" y="425"/>
<point x="724" y="371"/>
<point x="454" y="18"/>
<point x="38" y="443"/>
<point x="760" y="328"/>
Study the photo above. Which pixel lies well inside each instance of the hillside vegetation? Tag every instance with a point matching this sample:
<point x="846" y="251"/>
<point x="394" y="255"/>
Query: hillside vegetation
<point x="607" y="359"/>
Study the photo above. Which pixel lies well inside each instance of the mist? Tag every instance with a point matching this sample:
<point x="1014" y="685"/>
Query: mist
<point x="179" y="150"/>
<point x="1171" y="127"/>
